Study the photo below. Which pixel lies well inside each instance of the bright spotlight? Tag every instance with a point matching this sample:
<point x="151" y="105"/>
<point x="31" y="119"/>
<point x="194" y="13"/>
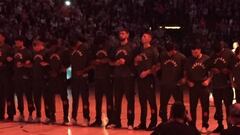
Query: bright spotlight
<point x="170" y="27"/>
<point x="235" y="46"/>
<point x="173" y="27"/>
<point x="68" y="3"/>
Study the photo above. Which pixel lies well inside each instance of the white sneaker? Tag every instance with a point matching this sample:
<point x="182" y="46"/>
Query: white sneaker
<point x="20" y="118"/>
<point x="204" y="130"/>
<point x="37" y="120"/>
<point x="66" y="123"/>
<point x="73" y="121"/>
<point x="86" y="122"/>
<point x="130" y="127"/>
<point x="110" y="126"/>
<point x="30" y="119"/>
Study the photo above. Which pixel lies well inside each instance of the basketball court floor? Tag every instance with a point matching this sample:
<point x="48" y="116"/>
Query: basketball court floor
<point x="15" y="128"/>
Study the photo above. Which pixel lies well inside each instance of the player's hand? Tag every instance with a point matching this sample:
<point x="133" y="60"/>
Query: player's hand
<point x="206" y="83"/>
<point x="9" y="59"/>
<point x="43" y="64"/>
<point x="182" y="82"/>
<point x="190" y="84"/>
<point x="28" y="62"/>
<point x="144" y="74"/>
<point x="19" y="64"/>
<point x="120" y="61"/>
<point x="117" y="63"/>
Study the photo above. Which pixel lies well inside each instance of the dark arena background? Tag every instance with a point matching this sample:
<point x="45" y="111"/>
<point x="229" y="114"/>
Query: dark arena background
<point x="96" y="67"/>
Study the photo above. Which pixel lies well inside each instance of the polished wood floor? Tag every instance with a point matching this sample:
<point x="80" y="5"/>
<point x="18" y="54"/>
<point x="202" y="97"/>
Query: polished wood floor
<point x="15" y="128"/>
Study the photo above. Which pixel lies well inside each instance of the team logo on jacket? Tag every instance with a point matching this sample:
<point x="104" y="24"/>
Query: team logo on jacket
<point x="38" y="56"/>
<point x="102" y="52"/>
<point x="198" y="65"/>
<point x="18" y="56"/>
<point x="220" y="60"/>
<point x="55" y="56"/>
<point x="170" y="62"/>
<point x="121" y="51"/>
<point x="77" y="52"/>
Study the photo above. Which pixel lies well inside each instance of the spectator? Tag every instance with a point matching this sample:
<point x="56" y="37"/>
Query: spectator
<point x="177" y="124"/>
<point x="234" y="120"/>
<point x="36" y="18"/>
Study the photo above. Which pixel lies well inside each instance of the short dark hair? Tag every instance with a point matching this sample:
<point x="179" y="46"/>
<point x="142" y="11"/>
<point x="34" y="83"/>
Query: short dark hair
<point x="196" y="46"/>
<point x="123" y="29"/>
<point x="178" y="110"/>
<point x="148" y="33"/>
<point x="35" y="42"/>
<point x="19" y="38"/>
<point x="217" y="47"/>
<point x="170" y="46"/>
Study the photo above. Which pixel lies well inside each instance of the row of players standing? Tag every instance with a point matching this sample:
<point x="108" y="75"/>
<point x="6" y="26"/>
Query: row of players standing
<point x="43" y="72"/>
